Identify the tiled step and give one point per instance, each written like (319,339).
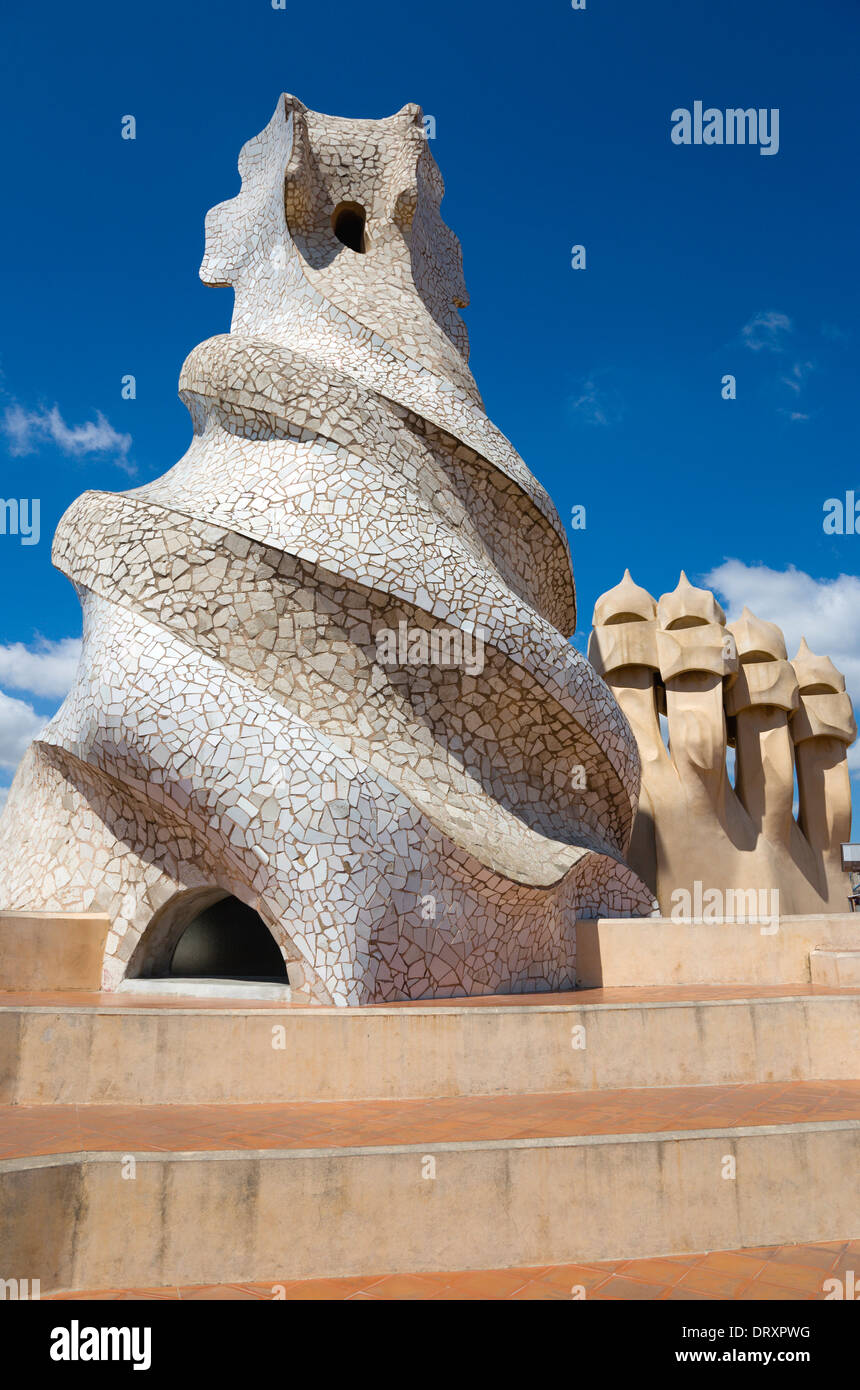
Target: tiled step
(98,1049)
(149,1196)
(835,969)
(830,1270)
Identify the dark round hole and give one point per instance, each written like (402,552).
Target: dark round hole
(228,939)
(348,222)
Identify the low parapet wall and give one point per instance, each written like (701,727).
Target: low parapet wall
(52,950)
(660,951)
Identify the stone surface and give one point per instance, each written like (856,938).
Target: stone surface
(325,664)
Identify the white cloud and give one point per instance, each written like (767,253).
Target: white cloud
(797,377)
(767,330)
(4,792)
(597,405)
(27,429)
(824,611)
(19,725)
(46,668)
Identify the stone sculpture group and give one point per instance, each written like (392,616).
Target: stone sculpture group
(717,686)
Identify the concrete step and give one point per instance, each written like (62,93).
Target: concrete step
(835,969)
(104,1197)
(97,1049)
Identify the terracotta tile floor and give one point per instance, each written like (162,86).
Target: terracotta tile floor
(50,1129)
(794,1272)
(77,999)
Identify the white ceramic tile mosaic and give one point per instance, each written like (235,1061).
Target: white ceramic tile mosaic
(427,825)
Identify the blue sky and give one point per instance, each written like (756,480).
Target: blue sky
(552,129)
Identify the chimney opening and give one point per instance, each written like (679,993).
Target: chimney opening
(348,223)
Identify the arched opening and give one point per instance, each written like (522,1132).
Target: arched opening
(227,940)
(348,222)
(205,935)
